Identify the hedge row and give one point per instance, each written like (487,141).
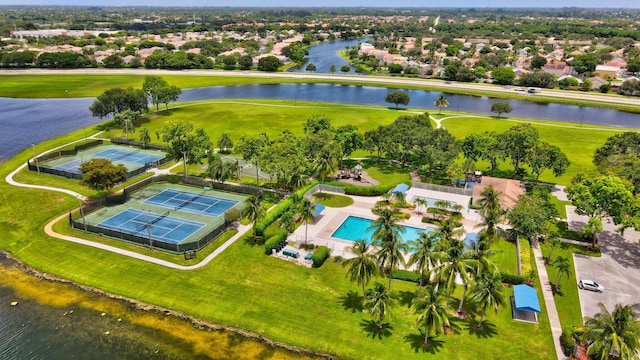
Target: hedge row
(513,279)
(405,275)
(351,189)
(320,255)
(281,208)
(274,241)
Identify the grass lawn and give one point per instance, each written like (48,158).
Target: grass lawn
(246,289)
(333,200)
(578,142)
(567,301)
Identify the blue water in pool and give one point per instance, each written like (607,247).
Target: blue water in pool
(355,228)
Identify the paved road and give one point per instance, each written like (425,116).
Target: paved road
(560,94)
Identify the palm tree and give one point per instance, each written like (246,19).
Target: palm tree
(454,262)
(555,242)
(441,102)
(420,202)
(326,164)
(378,301)
(225,143)
(490,200)
(614,334)
(306,212)
(450,229)
(144,136)
(254,210)
(422,252)
(387,236)
(563,266)
(491,219)
(433,309)
(297,179)
(362,267)
(488,292)
(481,251)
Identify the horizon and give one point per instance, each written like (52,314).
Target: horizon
(377,4)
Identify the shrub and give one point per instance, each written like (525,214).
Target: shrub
(513,279)
(320,255)
(338,259)
(405,275)
(281,208)
(273,242)
(232,215)
(567,342)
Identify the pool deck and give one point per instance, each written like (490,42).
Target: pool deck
(319,233)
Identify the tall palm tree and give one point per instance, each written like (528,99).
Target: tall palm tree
(491,219)
(433,311)
(254,210)
(225,143)
(490,200)
(325,165)
(454,262)
(481,251)
(422,253)
(614,334)
(297,179)
(441,102)
(450,228)
(144,137)
(563,266)
(379,301)
(488,292)
(386,235)
(306,212)
(362,267)
(420,202)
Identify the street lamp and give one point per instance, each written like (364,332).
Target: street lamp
(35,156)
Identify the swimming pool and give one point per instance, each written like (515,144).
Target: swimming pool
(355,228)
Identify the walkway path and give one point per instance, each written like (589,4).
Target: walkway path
(550,305)
(48,229)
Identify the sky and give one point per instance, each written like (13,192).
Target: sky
(340,3)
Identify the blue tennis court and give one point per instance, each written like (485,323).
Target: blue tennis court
(191,202)
(127,156)
(71,166)
(162,227)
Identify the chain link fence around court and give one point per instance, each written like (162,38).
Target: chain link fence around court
(135,194)
(40,163)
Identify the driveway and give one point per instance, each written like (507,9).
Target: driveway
(618,270)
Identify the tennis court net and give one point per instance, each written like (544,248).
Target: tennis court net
(184,203)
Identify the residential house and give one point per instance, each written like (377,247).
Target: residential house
(557,69)
(607,72)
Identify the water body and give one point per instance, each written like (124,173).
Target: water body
(54,321)
(326,54)
(27,121)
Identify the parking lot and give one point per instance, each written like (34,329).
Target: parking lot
(618,270)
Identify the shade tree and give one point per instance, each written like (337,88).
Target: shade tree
(186,144)
(397,98)
(101,174)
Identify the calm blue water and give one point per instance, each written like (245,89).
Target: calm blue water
(326,54)
(355,228)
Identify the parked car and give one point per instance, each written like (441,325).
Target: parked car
(590,285)
(519,89)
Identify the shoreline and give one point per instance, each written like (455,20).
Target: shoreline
(7,261)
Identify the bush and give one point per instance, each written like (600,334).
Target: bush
(405,275)
(232,215)
(567,342)
(281,208)
(320,255)
(273,242)
(513,279)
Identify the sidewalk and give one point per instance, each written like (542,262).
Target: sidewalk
(550,305)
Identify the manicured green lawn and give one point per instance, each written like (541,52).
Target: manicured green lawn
(246,289)
(333,200)
(567,301)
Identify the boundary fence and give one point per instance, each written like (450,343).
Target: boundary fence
(74,152)
(77,222)
(442,188)
(323,187)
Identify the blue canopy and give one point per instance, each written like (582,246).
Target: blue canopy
(317,209)
(400,188)
(471,239)
(526,298)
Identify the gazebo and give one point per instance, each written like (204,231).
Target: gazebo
(525,303)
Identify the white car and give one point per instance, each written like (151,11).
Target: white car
(590,285)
